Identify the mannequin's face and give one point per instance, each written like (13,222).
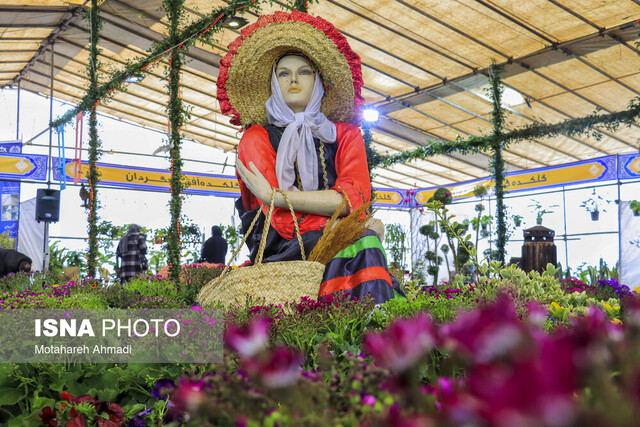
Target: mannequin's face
(296,78)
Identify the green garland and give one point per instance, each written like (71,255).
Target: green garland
(177,116)
(94,141)
(497,162)
(202,30)
(474,144)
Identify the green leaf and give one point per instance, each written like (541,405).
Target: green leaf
(10,396)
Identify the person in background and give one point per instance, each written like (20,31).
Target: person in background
(12,261)
(214,249)
(132,250)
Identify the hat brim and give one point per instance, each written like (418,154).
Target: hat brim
(244,83)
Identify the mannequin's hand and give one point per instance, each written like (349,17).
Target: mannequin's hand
(255,181)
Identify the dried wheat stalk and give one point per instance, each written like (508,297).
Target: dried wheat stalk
(341,235)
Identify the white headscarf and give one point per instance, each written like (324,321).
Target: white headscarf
(297,139)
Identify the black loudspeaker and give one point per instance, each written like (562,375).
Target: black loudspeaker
(47,205)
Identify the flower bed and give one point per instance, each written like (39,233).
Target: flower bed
(509,349)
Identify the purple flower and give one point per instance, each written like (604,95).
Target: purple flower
(164,388)
(403,343)
(137,421)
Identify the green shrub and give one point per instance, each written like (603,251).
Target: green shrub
(194,277)
(153,286)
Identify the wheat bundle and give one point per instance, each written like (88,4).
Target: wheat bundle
(339,234)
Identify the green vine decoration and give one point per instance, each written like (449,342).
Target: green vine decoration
(570,127)
(177,116)
(94,140)
(497,162)
(202,30)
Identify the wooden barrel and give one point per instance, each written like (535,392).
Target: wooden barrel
(538,249)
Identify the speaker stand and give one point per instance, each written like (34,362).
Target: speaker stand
(45,249)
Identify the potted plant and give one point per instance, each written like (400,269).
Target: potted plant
(635,207)
(442,195)
(594,205)
(541,210)
(517,220)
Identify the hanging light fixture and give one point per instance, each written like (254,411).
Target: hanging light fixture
(235,22)
(370,115)
(134,79)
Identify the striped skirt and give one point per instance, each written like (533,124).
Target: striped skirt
(360,270)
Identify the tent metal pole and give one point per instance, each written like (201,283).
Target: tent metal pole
(619,183)
(45,249)
(18,114)
(566,246)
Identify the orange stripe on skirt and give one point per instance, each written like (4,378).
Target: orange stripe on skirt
(345,283)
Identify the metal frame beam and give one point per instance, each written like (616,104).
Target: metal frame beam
(46,43)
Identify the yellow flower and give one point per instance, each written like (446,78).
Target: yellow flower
(616,322)
(606,306)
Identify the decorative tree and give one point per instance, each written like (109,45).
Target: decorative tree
(94,141)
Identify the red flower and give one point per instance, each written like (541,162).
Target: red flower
(65,395)
(78,421)
(48,416)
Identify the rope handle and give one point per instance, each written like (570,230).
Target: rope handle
(265,230)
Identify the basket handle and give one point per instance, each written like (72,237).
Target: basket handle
(267,223)
(263,241)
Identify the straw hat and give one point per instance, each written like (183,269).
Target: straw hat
(245,72)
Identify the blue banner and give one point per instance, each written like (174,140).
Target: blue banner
(10,201)
(629,166)
(23,166)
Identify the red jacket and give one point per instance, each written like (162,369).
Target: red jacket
(351,168)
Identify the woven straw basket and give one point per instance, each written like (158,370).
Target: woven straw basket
(277,282)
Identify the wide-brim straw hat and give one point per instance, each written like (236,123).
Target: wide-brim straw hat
(244,82)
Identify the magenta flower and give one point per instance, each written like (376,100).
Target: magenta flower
(537,313)
(369,400)
(403,343)
(248,340)
(189,394)
(485,333)
(278,368)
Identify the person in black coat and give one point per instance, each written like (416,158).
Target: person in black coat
(12,261)
(214,249)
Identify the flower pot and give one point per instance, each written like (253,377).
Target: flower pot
(595,215)
(636,213)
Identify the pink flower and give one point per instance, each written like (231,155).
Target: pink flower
(189,394)
(369,400)
(537,313)
(403,343)
(280,367)
(485,333)
(248,340)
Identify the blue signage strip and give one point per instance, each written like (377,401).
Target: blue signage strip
(141,178)
(593,170)
(629,166)
(23,166)
(10,197)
